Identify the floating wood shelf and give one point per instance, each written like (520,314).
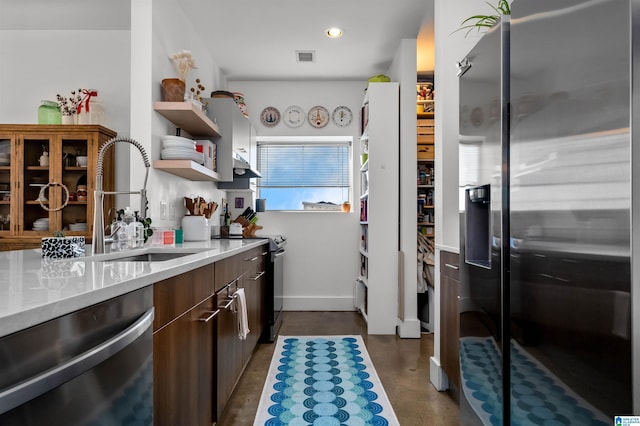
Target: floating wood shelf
(188,117)
(187,169)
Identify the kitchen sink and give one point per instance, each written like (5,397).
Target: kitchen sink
(149,257)
(154,256)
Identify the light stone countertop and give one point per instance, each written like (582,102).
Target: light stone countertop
(34,289)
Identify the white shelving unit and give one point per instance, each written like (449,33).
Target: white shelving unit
(376,288)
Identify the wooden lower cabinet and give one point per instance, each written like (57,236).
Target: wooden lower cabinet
(183,349)
(233,353)
(198,363)
(229,362)
(254,281)
(450,316)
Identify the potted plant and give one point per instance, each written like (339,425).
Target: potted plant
(69,106)
(480,22)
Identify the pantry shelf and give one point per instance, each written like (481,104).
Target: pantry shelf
(187,169)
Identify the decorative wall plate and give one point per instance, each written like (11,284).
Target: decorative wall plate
(293,116)
(270,117)
(342,116)
(318,116)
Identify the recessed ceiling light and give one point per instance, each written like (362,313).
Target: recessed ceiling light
(334,32)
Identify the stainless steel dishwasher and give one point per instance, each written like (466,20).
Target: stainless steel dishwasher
(91,367)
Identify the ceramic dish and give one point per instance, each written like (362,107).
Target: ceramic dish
(174,143)
(270,117)
(293,116)
(318,116)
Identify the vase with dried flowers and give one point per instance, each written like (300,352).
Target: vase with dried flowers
(195,95)
(69,106)
(173,88)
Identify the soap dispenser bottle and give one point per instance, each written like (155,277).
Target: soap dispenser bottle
(129,220)
(119,231)
(138,231)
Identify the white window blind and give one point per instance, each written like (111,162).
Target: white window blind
(299,173)
(309,165)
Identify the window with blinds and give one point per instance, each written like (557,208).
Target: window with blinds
(305,175)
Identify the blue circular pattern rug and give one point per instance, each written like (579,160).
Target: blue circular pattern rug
(323,381)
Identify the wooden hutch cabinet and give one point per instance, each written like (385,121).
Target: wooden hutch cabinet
(22,179)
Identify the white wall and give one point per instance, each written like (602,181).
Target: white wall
(322,249)
(163,25)
(37,65)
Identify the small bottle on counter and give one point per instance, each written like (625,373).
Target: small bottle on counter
(227,216)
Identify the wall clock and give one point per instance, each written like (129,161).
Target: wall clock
(270,116)
(342,116)
(293,116)
(318,116)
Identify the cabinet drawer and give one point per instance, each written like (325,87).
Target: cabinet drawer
(449,264)
(426,122)
(254,261)
(174,296)
(426,152)
(425,127)
(228,270)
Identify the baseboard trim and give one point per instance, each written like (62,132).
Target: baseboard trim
(437,375)
(318,303)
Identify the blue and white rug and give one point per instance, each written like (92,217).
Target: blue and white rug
(538,397)
(323,381)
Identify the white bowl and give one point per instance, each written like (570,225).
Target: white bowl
(81,160)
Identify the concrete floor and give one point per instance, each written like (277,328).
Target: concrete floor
(402,365)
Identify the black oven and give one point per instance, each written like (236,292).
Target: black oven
(274,290)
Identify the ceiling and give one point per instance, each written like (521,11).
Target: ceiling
(258,40)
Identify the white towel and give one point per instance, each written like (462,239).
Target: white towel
(243,320)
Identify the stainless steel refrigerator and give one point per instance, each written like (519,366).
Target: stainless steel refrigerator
(547,215)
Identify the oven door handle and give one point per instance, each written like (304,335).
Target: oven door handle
(35,386)
(279,253)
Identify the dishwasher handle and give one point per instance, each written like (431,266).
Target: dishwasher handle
(35,386)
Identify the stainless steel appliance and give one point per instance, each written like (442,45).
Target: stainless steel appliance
(546,180)
(274,291)
(91,367)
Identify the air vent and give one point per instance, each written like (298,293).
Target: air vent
(306,55)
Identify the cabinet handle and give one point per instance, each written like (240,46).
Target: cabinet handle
(264,253)
(228,305)
(210,317)
(253,259)
(257,277)
(448,265)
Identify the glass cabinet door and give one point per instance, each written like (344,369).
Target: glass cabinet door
(6,184)
(74,160)
(36,168)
